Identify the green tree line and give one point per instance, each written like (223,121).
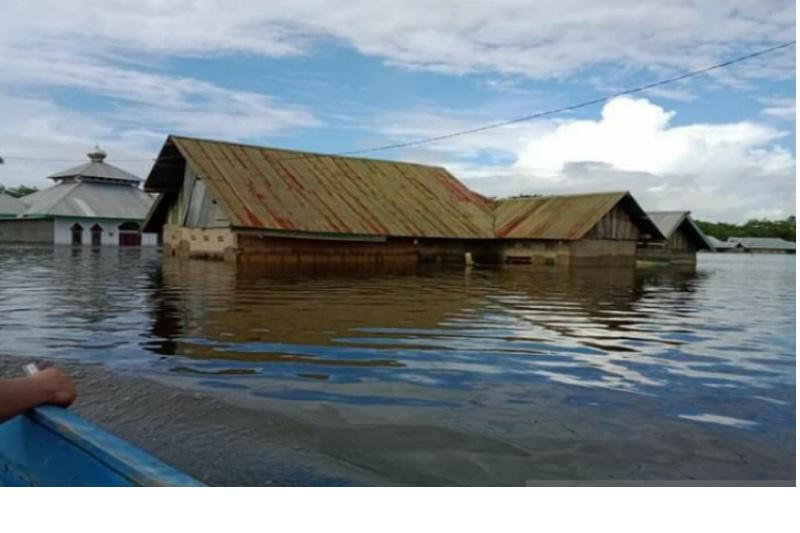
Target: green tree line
(783,229)
(22,190)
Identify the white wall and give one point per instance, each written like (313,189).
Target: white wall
(62,234)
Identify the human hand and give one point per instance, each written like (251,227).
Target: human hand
(58,387)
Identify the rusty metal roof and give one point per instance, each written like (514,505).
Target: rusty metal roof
(276,189)
(566,217)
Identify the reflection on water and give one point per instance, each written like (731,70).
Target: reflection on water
(478,351)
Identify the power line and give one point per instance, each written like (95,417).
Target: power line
(495,125)
(573,107)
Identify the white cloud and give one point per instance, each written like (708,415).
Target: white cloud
(721,171)
(781,108)
(117,50)
(39,128)
(537,39)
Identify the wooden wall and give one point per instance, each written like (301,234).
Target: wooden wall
(615,225)
(680,240)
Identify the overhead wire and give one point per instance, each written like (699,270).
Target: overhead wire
(494,125)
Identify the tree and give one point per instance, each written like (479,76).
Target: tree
(782,229)
(21,191)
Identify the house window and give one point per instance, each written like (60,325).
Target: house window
(97,235)
(130,234)
(77,234)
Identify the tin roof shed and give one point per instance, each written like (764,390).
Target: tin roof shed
(267,188)
(670,221)
(567,217)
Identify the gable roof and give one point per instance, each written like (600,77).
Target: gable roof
(669,222)
(10,205)
(88,199)
(567,217)
(267,188)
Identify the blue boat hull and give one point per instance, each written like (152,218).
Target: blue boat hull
(50,446)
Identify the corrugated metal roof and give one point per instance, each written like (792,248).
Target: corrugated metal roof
(566,217)
(275,189)
(756,243)
(720,245)
(89,199)
(669,221)
(10,205)
(96,168)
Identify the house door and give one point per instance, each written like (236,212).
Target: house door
(129,234)
(77,234)
(97,235)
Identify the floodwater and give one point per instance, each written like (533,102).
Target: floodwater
(505,376)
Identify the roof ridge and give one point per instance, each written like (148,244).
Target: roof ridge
(303,152)
(564,195)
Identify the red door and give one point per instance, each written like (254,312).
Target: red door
(130,234)
(129,238)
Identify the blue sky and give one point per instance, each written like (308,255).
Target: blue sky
(308,76)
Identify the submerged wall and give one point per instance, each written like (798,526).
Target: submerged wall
(255,248)
(589,252)
(62,231)
(26,230)
(535,252)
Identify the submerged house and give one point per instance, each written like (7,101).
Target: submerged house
(95,204)
(722,246)
(10,206)
(251,204)
(684,239)
(761,245)
(578,229)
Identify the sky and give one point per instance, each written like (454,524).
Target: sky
(354,74)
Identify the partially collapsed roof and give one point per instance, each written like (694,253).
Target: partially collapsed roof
(88,199)
(96,169)
(567,217)
(265,188)
(669,222)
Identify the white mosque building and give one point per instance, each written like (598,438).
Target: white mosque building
(93,204)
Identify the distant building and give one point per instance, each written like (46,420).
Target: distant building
(579,229)
(251,204)
(10,206)
(762,245)
(723,246)
(93,204)
(684,239)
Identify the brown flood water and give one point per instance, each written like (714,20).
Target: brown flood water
(435,376)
